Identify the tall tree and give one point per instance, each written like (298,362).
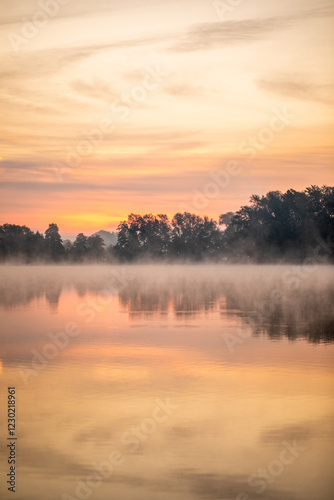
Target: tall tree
(80,247)
(282,224)
(143,235)
(96,247)
(13,241)
(54,243)
(194,237)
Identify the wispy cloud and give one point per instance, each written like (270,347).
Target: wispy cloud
(14,12)
(206,36)
(185,90)
(25,8)
(295,88)
(97,89)
(58,87)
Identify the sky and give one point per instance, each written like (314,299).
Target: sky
(112,107)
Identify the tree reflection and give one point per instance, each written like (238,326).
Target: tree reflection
(256,294)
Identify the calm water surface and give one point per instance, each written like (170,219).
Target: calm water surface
(176,382)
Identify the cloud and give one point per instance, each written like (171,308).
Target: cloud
(206,36)
(184,90)
(41,63)
(20,165)
(140,183)
(295,88)
(28,8)
(28,68)
(16,11)
(97,89)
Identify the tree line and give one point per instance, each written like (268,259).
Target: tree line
(277,226)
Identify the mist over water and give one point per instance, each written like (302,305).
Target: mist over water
(279,300)
(243,354)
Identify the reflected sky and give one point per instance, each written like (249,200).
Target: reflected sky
(146,337)
(292,301)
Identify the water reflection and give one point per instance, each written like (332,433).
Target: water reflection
(275,300)
(158,336)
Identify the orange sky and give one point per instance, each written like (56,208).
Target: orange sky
(113,107)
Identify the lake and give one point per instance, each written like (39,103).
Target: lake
(175,382)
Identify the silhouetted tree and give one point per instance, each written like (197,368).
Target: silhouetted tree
(68,247)
(194,237)
(278,225)
(14,241)
(34,247)
(53,243)
(226,219)
(281,224)
(79,250)
(96,247)
(143,235)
